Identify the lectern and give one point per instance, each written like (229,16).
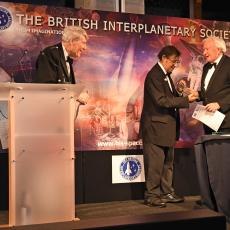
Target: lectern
(41,151)
(212,161)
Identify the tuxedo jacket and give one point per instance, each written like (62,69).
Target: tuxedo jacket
(218,89)
(51,66)
(160,122)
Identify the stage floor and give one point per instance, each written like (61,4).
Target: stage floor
(92,211)
(130,208)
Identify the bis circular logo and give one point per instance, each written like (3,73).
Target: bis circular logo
(130,168)
(5,18)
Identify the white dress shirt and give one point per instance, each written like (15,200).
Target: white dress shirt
(166,76)
(66,56)
(210,72)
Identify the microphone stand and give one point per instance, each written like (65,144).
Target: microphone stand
(18,63)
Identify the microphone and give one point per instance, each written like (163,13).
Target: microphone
(18,63)
(24,52)
(25,65)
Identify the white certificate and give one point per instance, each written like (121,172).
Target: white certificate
(211,119)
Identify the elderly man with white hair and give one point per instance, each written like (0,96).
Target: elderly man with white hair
(54,63)
(215,81)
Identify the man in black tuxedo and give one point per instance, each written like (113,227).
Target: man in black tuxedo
(215,81)
(215,85)
(54,63)
(159,128)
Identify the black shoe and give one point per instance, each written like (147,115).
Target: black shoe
(155,202)
(199,202)
(172,198)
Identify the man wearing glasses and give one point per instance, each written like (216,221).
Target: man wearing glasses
(160,128)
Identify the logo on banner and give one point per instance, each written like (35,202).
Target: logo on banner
(5,18)
(130,168)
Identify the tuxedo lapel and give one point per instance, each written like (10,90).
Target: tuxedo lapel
(167,78)
(172,85)
(216,73)
(62,60)
(172,88)
(204,76)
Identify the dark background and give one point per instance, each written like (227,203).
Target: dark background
(210,10)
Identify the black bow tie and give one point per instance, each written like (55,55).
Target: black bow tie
(168,74)
(70,60)
(210,65)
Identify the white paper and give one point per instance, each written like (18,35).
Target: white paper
(212,119)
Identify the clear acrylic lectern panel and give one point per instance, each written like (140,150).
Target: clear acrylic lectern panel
(41,149)
(44,183)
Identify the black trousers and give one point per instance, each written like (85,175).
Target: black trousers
(158,162)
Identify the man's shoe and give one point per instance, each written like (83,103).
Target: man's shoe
(172,198)
(199,202)
(155,202)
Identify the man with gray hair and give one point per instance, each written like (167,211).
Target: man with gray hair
(215,81)
(54,63)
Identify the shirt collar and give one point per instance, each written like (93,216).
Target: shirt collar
(163,69)
(218,59)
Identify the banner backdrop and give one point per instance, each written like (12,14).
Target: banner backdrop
(121,50)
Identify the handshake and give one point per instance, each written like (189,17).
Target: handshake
(182,88)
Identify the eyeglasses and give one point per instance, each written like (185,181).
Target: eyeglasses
(174,61)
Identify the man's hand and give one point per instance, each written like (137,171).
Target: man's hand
(192,97)
(83,98)
(188,91)
(212,107)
